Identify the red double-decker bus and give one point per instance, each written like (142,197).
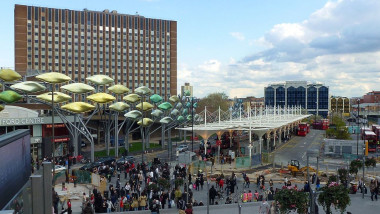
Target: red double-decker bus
(303,129)
(371,138)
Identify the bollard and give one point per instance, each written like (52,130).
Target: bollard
(239,209)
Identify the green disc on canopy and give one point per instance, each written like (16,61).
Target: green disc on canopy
(185,111)
(28,87)
(9,75)
(166,120)
(134,114)
(100,79)
(78,107)
(10,96)
(180,119)
(195,105)
(165,106)
(174,112)
(178,106)
(188,105)
(78,88)
(157,113)
(101,98)
(53,77)
(155,98)
(145,122)
(186,93)
(188,117)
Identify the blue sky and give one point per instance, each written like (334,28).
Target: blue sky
(240,46)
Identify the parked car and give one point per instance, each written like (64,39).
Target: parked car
(123,159)
(89,166)
(182,148)
(83,144)
(59,168)
(106,160)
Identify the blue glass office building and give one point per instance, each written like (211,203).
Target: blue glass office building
(310,96)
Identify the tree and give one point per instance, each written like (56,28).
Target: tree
(213,101)
(355,165)
(334,195)
(164,183)
(339,130)
(343,174)
(290,199)
(370,162)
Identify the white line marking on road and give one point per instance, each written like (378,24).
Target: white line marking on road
(303,155)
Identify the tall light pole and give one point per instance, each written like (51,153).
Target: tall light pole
(192,124)
(357,134)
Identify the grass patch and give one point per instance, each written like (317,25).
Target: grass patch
(134,147)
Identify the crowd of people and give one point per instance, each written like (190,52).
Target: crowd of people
(142,189)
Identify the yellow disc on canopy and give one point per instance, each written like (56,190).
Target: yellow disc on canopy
(58,97)
(144,106)
(118,89)
(9,75)
(78,107)
(101,98)
(53,77)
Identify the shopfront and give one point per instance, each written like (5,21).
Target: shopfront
(14,117)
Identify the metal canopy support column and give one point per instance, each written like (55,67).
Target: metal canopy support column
(163,136)
(116,138)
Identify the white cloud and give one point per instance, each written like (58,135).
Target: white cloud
(238,35)
(338,45)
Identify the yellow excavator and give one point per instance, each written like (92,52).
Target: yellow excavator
(294,168)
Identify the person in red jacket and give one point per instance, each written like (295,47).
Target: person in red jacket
(69,211)
(189,209)
(250,195)
(221,183)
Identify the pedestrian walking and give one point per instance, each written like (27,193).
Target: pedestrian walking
(212,194)
(264,207)
(372,188)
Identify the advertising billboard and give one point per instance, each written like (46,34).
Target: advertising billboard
(15,163)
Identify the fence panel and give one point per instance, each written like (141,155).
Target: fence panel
(243,162)
(196,166)
(256,160)
(267,158)
(83,177)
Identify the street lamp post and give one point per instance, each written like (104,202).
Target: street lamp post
(358,129)
(52,125)
(192,124)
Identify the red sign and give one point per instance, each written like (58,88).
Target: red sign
(55,125)
(56,140)
(218,142)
